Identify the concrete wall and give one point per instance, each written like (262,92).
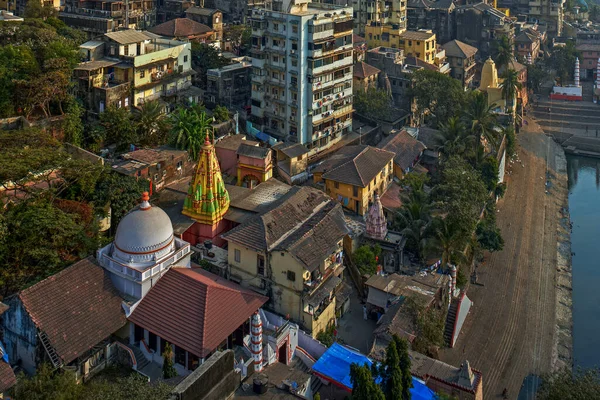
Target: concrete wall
(20,336)
(214,380)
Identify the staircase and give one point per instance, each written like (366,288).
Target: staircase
(450,323)
(315,382)
(140,358)
(54,358)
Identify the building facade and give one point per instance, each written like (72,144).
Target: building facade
(229,85)
(550,13)
(302,73)
(128,68)
(207,16)
(438,16)
(461,57)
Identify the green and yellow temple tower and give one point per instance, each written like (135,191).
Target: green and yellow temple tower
(207,200)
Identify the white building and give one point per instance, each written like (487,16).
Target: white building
(302,72)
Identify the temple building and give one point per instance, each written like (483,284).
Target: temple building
(207,200)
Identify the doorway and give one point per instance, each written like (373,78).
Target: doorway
(282,353)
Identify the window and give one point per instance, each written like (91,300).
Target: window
(260,265)
(185,58)
(355,191)
(294,28)
(179,355)
(237,255)
(126,101)
(294,63)
(291,275)
(126,50)
(142,73)
(112,50)
(336,184)
(276,27)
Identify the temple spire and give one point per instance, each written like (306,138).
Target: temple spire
(376,222)
(207,200)
(576,74)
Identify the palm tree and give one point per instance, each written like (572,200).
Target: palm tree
(151,122)
(414,219)
(453,138)
(503,50)
(189,127)
(450,241)
(510,87)
(481,119)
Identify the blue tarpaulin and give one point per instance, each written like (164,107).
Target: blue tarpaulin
(334,365)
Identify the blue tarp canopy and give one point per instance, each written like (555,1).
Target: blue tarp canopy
(334,365)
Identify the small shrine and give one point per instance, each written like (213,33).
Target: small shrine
(569,92)
(207,200)
(376,222)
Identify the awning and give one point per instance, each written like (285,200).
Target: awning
(324,291)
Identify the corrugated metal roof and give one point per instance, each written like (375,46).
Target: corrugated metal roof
(127,36)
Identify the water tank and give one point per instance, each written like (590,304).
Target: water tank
(260,385)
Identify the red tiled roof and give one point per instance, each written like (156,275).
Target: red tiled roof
(181,27)
(77,308)
(405,147)
(195,310)
(391,198)
(7,377)
(363,70)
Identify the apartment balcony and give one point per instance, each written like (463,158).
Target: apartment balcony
(160,75)
(258,62)
(444,68)
(259,79)
(330,51)
(324,85)
(275,98)
(342,110)
(275,115)
(346,62)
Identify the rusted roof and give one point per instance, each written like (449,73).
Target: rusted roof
(153,156)
(195,310)
(300,219)
(363,70)
(181,27)
(251,151)
(355,165)
(391,198)
(456,48)
(406,148)
(77,308)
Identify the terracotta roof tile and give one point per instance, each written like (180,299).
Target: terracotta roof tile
(406,148)
(195,310)
(363,70)
(181,27)
(7,377)
(77,308)
(355,165)
(456,48)
(251,151)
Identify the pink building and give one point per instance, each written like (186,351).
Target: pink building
(226,149)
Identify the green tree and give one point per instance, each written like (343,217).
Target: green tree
(205,57)
(118,127)
(326,336)
(72,124)
(151,123)
(536,76)
(48,385)
(453,138)
(566,385)
(221,114)
(363,384)
(365,258)
(503,52)
(239,36)
(373,103)
(480,118)
(562,61)
(489,172)
(168,364)
(189,127)
(511,140)
(392,374)
(487,233)
(405,363)
(415,181)
(437,96)
(510,87)
(413,220)
(594,12)
(450,241)
(34,9)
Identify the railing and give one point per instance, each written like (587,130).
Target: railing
(157,76)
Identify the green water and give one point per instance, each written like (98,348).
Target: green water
(584,207)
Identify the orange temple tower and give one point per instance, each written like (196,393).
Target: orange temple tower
(207,200)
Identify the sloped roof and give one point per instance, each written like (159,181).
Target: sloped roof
(201,11)
(7,377)
(232,142)
(195,310)
(291,150)
(181,27)
(405,147)
(415,61)
(355,165)
(416,35)
(419,4)
(127,36)
(356,39)
(249,150)
(525,37)
(443,4)
(85,308)
(456,48)
(464,377)
(363,70)
(305,220)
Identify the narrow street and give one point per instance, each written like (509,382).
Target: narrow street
(510,330)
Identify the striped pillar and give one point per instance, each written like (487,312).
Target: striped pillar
(256,347)
(529,60)
(453,276)
(598,72)
(577,72)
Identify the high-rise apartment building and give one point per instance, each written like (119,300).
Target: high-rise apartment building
(550,12)
(302,72)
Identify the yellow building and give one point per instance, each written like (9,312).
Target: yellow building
(294,254)
(421,44)
(364,77)
(492,85)
(354,174)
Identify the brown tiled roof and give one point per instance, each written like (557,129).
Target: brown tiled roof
(405,147)
(356,39)
(232,142)
(181,27)
(456,48)
(76,308)
(463,378)
(588,47)
(248,150)
(416,35)
(7,377)
(412,60)
(391,198)
(427,137)
(292,151)
(363,70)
(195,310)
(525,37)
(201,11)
(153,156)
(355,165)
(296,216)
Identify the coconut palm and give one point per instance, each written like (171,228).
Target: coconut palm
(414,220)
(449,241)
(510,87)
(503,50)
(151,123)
(453,138)
(189,127)
(481,119)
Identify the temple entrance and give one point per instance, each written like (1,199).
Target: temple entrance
(282,353)
(250,181)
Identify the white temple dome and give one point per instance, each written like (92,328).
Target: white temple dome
(144,235)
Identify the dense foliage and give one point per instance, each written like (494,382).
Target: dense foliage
(373,103)
(566,385)
(365,258)
(562,61)
(438,96)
